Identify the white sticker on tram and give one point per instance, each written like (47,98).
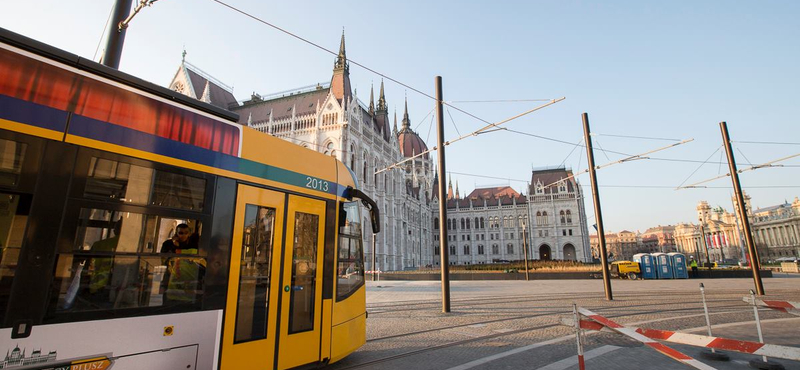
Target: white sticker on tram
(174,341)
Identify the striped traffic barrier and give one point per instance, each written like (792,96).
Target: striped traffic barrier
(792,308)
(636,335)
(741,346)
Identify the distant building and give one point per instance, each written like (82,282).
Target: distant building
(716,231)
(776,230)
(487,225)
(619,246)
(659,239)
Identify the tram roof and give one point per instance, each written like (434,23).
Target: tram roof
(75,61)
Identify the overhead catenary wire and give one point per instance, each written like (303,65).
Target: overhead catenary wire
(423,118)
(453,121)
(764,142)
(698,167)
(474,133)
(496,101)
(751,168)
(623,160)
(626,186)
(677,160)
(103,34)
(635,137)
(576,146)
(309,42)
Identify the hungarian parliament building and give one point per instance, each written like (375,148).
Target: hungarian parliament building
(487,225)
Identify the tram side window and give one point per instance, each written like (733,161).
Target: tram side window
(14,210)
(129,183)
(11,155)
(129,260)
(256,273)
(351,257)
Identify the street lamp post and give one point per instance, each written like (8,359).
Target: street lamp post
(703,237)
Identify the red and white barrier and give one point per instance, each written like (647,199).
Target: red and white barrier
(792,308)
(634,334)
(741,346)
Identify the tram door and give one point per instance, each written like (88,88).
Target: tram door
(301,301)
(254,286)
(274,292)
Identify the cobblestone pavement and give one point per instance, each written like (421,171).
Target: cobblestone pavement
(515,324)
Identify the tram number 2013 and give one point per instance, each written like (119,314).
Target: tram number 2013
(316,184)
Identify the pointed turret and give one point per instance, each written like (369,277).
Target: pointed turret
(371,101)
(341,59)
(382,101)
(340,83)
(406,121)
(457,196)
(449,188)
(394,131)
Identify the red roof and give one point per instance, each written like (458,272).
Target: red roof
(410,143)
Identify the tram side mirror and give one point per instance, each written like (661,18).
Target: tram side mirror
(374,212)
(342,215)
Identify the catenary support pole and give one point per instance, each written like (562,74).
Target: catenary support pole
(444,260)
(755,264)
(705,242)
(115,36)
(601,237)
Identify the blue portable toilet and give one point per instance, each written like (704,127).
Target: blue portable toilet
(678,265)
(646,265)
(663,266)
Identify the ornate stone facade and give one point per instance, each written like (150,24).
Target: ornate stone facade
(487,225)
(330,118)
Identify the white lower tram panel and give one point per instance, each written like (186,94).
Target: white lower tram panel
(168,342)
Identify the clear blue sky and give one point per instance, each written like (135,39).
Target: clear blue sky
(644,68)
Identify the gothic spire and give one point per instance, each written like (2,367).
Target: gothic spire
(449,187)
(341,59)
(406,121)
(340,82)
(382,100)
(395,121)
(371,101)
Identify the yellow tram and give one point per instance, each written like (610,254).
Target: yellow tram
(142,229)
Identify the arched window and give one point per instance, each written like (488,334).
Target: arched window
(510,248)
(466,250)
(436,223)
(545,221)
(462,224)
(482,225)
(364,177)
(452,250)
(352,157)
(455,224)
(569,217)
(449,226)
(495,249)
(480,249)
(563,218)
(329,148)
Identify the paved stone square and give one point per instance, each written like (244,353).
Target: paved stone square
(516,324)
